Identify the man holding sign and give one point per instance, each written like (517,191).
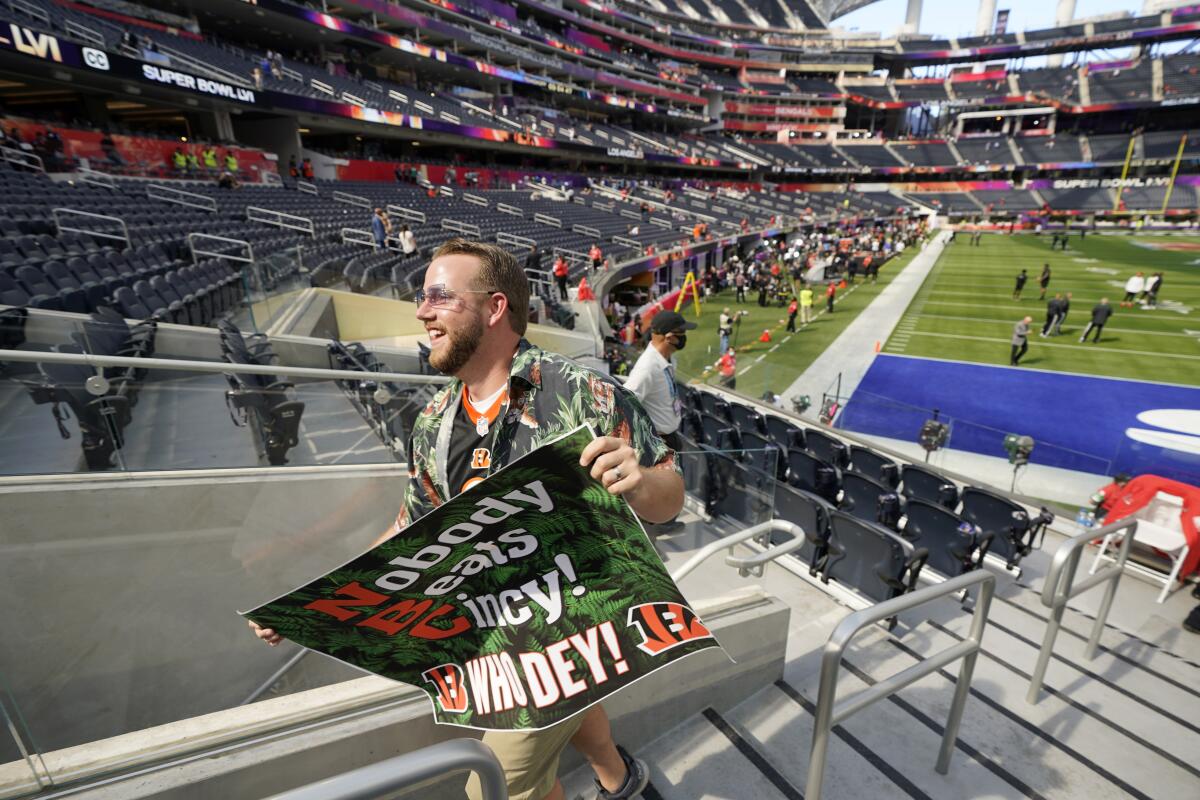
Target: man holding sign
(507,400)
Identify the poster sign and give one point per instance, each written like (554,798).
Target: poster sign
(521,602)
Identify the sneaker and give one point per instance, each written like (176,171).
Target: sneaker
(1196,591)
(637,775)
(1191,624)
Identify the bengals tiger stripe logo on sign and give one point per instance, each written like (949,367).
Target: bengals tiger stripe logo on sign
(666,625)
(448,680)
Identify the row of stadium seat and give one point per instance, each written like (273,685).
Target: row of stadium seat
(871,522)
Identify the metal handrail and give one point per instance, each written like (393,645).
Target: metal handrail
(406,213)
(182,365)
(1060,587)
(830,712)
(97,178)
(169,194)
(513,240)
(281,219)
(475,199)
(762,529)
(457,226)
(55,212)
(546,219)
(14,155)
(624,240)
(352,199)
(192,237)
(505,208)
(358,236)
(586,230)
(306,187)
(386,778)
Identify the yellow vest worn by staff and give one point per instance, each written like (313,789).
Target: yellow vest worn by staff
(806,296)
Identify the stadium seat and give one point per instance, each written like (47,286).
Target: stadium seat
(811,474)
(928,485)
(747,419)
(260,402)
(718,432)
(101,418)
(812,514)
(1009,525)
(867,462)
(38,285)
(784,433)
(827,448)
(861,496)
(870,560)
(954,547)
(762,454)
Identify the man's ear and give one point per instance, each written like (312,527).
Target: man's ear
(497,305)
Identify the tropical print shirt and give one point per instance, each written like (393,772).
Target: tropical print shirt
(549,395)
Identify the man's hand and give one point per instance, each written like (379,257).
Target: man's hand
(614,464)
(266,634)
(655,495)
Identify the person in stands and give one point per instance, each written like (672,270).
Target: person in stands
(408,241)
(596,256)
(475,306)
(379,227)
(560,277)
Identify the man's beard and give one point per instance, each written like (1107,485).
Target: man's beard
(461,343)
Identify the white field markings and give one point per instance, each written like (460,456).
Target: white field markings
(1083,304)
(1073,346)
(1083,319)
(803,325)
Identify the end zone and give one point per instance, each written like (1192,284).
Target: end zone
(1084,423)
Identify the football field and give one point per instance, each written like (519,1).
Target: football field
(965,310)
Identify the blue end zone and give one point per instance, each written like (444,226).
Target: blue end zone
(1078,422)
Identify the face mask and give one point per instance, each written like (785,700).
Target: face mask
(680,341)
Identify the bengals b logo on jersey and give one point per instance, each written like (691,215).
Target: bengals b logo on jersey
(666,625)
(448,681)
(481,458)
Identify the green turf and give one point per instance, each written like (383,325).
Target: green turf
(965,310)
(780,368)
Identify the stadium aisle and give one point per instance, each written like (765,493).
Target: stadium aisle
(851,353)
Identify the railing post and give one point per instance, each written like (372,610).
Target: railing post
(1059,587)
(965,673)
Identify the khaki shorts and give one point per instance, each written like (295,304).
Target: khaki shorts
(529,759)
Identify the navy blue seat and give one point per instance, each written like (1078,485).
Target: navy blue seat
(827,448)
(952,542)
(928,485)
(807,472)
(871,560)
(867,462)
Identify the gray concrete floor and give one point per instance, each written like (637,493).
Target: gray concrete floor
(1126,724)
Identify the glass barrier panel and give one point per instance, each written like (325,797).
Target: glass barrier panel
(128,592)
(64,418)
(21,764)
(271,283)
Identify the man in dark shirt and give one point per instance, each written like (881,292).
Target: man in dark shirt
(1024,276)
(1044,280)
(1100,314)
(1053,309)
(1063,308)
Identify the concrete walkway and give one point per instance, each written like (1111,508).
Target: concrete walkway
(852,353)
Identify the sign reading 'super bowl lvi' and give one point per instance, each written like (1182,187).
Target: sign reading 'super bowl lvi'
(522,601)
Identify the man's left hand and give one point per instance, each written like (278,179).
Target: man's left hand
(614,464)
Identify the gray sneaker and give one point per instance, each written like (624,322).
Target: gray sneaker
(637,775)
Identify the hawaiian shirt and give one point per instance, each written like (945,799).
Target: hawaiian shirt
(549,395)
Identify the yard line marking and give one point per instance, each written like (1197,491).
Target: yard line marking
(1051,344)
(1186,333)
